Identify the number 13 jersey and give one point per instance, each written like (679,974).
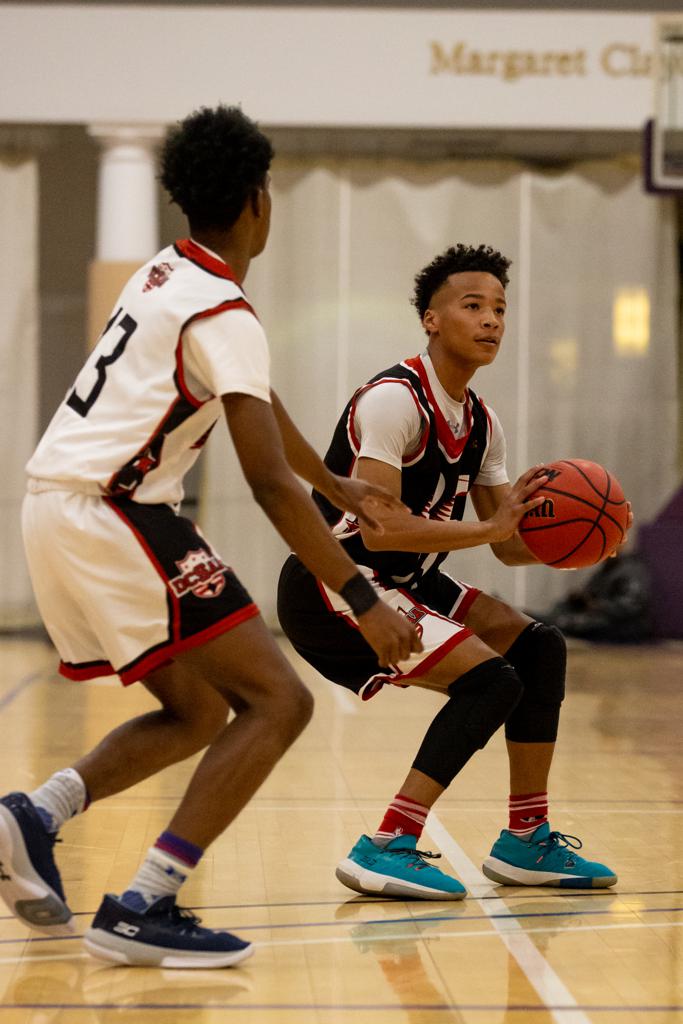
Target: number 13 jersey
(182,334)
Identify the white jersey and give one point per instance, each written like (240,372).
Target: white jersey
(182,333)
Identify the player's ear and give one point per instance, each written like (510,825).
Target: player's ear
(429,321)
(256,202)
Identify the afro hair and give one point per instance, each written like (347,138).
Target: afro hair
(211,163)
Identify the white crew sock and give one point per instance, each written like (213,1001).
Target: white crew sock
(61,797)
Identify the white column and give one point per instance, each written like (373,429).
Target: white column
(127,219)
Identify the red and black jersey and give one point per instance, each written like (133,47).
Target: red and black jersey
(435,479)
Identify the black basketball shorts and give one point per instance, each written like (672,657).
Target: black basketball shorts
(322,629)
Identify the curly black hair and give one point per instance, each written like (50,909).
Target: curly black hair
(457,260)
(212,162)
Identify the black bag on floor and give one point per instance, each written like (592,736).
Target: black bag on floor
(614,606)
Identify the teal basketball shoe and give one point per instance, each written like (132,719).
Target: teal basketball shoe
(398,869)
(547,858)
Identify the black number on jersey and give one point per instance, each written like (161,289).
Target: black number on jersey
(127,325)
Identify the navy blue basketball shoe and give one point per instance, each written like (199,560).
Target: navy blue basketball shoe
(29,879)
(162,935)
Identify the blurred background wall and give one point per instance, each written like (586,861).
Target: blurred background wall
(590,365)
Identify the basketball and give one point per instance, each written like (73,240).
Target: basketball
(582,519)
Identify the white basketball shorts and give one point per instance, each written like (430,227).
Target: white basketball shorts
(123,587)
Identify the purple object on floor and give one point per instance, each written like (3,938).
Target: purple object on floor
(661,545)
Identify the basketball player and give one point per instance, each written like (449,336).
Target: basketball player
(127,586)
(419,430)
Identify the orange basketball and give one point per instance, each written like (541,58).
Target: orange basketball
(582,519)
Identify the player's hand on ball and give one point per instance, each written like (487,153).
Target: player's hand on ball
(390,635)
(629,524)
(518,501)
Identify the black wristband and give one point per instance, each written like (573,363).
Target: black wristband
(358,594)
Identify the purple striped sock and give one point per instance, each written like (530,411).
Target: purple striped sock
(182,849)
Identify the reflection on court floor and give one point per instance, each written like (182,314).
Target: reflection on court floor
(326,956)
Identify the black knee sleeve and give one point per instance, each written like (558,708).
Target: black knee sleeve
(480,701)
(539,655)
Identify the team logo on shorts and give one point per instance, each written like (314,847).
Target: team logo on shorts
(201,574)
(414,615)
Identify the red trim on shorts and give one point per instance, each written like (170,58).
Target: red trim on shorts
(465,603)
(175,603)
(87,671)
(335,611)
(436,655)
(163,655)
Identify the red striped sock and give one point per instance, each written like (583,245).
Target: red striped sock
(527,812)
(403,816)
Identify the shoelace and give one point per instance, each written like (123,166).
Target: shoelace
(419,854)
(556,840)
(185,918)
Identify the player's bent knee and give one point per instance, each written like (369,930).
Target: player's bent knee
(485,697)
(291,710)
(540,657)
(480,701)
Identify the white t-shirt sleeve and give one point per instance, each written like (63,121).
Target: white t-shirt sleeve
(388,423)
(493,469)
(228,353)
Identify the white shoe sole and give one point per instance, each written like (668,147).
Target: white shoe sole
(507,874)
(27,896)
(372,883)
(114,949)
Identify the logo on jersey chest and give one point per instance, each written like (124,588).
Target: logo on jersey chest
(201,574)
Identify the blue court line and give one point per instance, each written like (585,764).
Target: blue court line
(351,1007)
(22,685)
(437,918)
(377,901)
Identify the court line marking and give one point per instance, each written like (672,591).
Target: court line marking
(398,936)
(562,1011)
(344,701)
(22,685)
(400,919)
(550,988)
(417,936)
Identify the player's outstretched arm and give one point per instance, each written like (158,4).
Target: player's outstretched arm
(362,498)
(405,532)
(258,443)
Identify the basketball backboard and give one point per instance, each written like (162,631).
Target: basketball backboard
(664,133)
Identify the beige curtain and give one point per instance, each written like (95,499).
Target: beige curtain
(590,252)
(18,374)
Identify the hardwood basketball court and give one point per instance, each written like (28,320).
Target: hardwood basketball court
(326,956)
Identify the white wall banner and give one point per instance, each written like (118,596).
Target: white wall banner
(333,66)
